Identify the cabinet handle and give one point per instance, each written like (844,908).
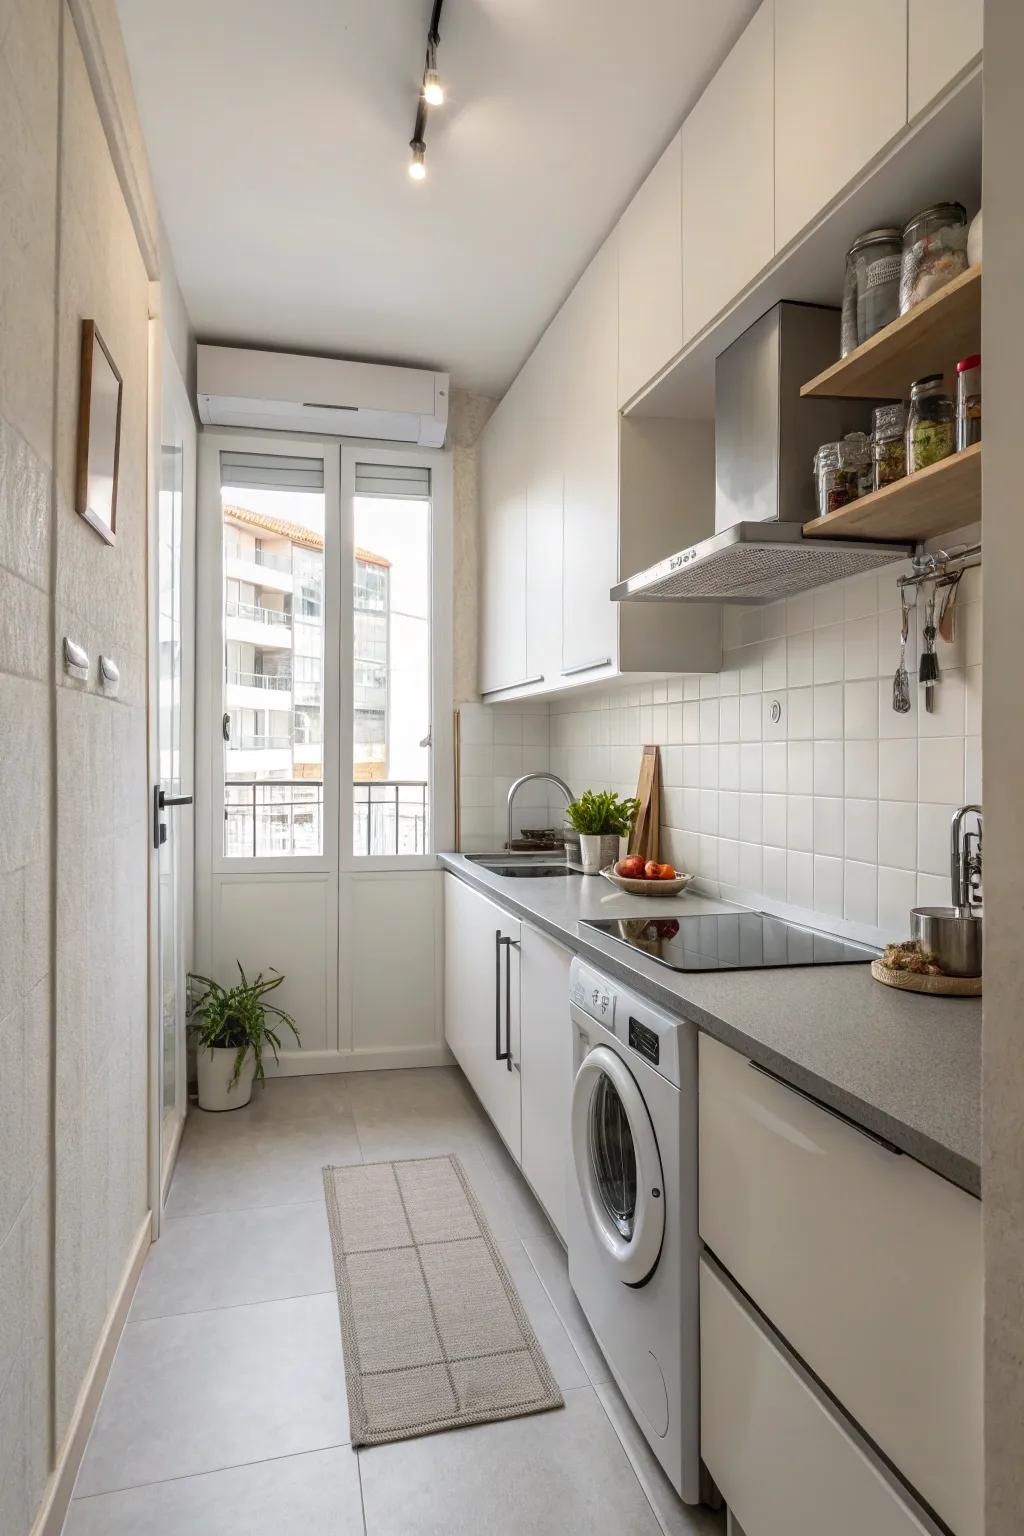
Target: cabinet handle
(506,1054)
(587,666)
(523,682)
(827,1109)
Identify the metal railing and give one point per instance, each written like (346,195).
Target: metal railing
(236,610)
(274,818)
(259,743)
(272,681)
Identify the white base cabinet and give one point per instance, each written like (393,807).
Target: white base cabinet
(546,1044)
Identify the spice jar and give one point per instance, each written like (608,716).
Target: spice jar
(968,401)
(931,434)
(934,252)
(834,477)
(888,445)
(871,286)
(855,461)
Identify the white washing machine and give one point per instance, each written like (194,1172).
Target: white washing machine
(633,1245)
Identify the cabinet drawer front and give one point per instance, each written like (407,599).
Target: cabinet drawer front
(786,1461)
(869,1265)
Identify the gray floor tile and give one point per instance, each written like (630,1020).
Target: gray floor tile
(281,1099)
(561,1472)
(529,1218)
(565,1363)
(313,1495)
(549,1259)
(233,1257)
(234,1164)
(417,1114)
(674,1517)
(210,1390)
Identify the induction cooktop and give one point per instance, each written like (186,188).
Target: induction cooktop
(731,941)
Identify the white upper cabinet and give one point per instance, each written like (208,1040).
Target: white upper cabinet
(727,191)
(945,37)
(650,275)
(840,96)
(502,552)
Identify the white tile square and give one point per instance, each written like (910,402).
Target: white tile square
(800,823)
(940,768)
(729,679)
(828,886)
(828,825)
(728,861)
(728,815)
(972,770)
(751,866)
(691,809)
(732,625)
(674,723)
(773,809)
(775,776)
(508,728)
(729,719)
(709,685)
(674,692)
(672,766)
(932,891)
(799,613)
(860,646)
(750,817)
(861,769)
(708,811)
(800,880)
(801,713)
(691,686)
(691,723)
(828,712)
(775,873)
(708,720)
(828,654)
(799,660)
(708,767)
(672,814)
(508,760)
(773,664)
(750,670)
(933,824)
(860,892)
(897,893)
(707,857)
(860,710)
(828,605)
(970,620)
(691,767)
(477,760)
(800,768)
(897,834)
(972,701)
(828,768)
(659,723)
(897,769)
(750,717)
(729,765)
(476,724)
(773,620)
(862,830)
(475,792)
(772,704)
(751,770)
(751,626)
(949,712)
(860,596)
(889,643)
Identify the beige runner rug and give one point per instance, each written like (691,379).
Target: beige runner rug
(433,1331)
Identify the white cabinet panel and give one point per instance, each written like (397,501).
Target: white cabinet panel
(868,1264)
(288,923)
(785,1460)
(944,37)
(396,1007)
(546,1071)
(840,96)
(650,275)
(544,573)
(482,1002)
(727,178)
(503,550)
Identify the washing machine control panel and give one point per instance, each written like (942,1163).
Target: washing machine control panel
(644,1040)
(593,994)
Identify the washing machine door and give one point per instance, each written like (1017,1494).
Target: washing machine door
(618,1166)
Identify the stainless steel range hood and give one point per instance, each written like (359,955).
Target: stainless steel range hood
(765,438)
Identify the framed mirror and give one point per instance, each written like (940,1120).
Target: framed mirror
(99,434)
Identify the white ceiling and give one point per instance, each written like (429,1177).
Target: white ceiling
(278,134)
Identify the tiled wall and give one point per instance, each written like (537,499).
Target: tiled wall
(840,809)
(499,743)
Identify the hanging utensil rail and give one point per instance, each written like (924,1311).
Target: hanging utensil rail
(941,567)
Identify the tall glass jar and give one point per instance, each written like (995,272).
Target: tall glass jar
(835,478)
(871,286)
(931,427)
(934,252)
(968,401)
(888,445)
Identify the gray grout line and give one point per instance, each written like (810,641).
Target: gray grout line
(231,1466)
(282,1205)
(228,1306)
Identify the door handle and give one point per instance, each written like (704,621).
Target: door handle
(225,727)
(587,666)
(160,800)
(506,1054)
(174,799)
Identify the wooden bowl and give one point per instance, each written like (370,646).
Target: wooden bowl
(648,887)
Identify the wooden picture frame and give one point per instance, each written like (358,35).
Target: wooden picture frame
(99,434)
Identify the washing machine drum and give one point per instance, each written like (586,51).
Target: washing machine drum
(618,1167)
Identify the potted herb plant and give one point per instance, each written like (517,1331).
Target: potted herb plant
(233,1027)
(603,822)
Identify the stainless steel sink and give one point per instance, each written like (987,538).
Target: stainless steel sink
(522,866)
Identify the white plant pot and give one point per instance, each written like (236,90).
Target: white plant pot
(598,851)
(215,1066)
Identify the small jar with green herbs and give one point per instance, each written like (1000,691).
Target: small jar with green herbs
(931,424)
(888,445)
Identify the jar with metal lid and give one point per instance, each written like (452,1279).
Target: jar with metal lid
(836,482)
(934,252)
(871,286)
(855,461)
(968,401)
(931,431)
(888,445)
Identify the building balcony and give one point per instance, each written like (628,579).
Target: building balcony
(258,690)
(261,570)
(252,624)
(282,817)
(254,756)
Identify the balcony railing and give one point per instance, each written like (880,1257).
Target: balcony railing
(258,557)
(259,743)
(274,683)
(272,818)
(236,610)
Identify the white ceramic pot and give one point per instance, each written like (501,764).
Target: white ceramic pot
(215,1066)
(598,851)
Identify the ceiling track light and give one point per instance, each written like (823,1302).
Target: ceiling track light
(431,95)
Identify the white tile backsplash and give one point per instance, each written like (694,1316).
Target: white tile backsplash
(839,810)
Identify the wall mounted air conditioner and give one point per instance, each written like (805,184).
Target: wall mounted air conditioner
(284,392)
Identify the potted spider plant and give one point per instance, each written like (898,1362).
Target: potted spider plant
(234,1025)
(603,822)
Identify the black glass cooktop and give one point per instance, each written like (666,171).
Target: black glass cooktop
(731,941)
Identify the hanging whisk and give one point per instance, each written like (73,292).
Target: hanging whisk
(901,682)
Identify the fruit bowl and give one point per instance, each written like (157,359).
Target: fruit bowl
(647,887)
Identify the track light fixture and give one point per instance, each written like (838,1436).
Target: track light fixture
(431,95)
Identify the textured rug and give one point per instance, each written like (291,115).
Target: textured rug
(433,1331)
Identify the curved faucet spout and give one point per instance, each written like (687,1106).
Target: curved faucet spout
(527,778)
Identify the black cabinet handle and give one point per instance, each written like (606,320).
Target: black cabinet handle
(827,1109)
(506,1054)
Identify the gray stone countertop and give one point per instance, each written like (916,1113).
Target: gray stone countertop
(905,1066)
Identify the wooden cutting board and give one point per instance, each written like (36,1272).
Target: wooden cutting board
(645,838)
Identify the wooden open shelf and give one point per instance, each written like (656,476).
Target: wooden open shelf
(930,338)
(944,496)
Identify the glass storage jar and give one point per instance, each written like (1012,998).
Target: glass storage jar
(835,480)
(934,252)
(871,286)
(855,461)
(931,433)
(888,445)
(968,401)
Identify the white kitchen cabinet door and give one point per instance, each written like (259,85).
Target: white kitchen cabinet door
(840,96)
(727,176)
(481,992)
(546,1071)
(944,37)
(503,551)
(651,275)
(544,573)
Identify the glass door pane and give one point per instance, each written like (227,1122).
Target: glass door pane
(169,642)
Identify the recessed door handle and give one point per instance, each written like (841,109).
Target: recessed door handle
(587,666)
(827,1109)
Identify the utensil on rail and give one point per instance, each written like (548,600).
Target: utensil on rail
(901,682)
(928,671)
(947,609)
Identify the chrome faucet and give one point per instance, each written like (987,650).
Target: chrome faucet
(552,778)
(965,862)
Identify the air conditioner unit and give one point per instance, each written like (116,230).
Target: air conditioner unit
(284,392)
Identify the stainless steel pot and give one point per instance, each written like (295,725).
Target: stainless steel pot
(954,940)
